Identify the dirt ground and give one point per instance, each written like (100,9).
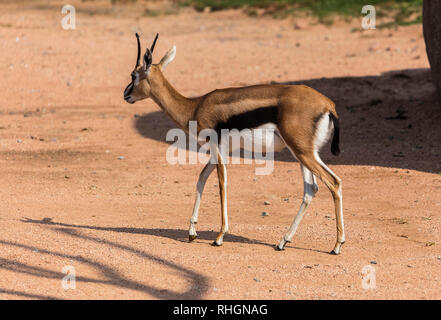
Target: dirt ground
(85,182)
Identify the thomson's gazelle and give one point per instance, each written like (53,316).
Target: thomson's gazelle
(303,118)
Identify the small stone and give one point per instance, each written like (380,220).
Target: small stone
(267,203)
(373,262)
(285,199)
(19,141)
(373,47)
(121,158)
(255,279)
(265,214)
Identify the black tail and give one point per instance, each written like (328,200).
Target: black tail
(336,138)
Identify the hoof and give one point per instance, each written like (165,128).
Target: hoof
(281,245)
(337,248)
(192,237)
(215,244)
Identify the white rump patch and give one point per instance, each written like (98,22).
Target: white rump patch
(323,131)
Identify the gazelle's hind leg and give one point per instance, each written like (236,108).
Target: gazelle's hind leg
(309,190)
(335,188)
(306,151)
(333,182)
(208,169)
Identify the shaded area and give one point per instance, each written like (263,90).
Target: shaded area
(25,294)
(198,284)
(174,234)
(389,120)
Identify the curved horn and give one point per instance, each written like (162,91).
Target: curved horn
(139,51)
(154,42)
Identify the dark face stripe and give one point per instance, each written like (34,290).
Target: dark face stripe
(250,119)
(128,90)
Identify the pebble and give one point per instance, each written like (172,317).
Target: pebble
(265,214)
(120,158)
(267,203)
(255,279)
(19,141)
(373,262)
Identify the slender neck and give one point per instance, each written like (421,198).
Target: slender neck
(178,107)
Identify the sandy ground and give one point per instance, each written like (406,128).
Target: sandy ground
(68,199)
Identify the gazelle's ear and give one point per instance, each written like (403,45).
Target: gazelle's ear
(147,60)
(168,57)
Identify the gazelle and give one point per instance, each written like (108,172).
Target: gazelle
(303,120)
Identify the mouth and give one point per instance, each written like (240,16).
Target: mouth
(129,100)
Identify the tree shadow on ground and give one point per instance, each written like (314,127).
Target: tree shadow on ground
(389,120)
(174,234)
(197,287)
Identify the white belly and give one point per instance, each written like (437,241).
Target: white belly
(261,139)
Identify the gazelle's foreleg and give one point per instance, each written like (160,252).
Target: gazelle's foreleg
(205,173)
(222,176)
(309,190)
